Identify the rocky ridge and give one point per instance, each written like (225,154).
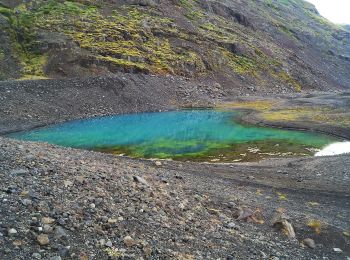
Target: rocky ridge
(266,45)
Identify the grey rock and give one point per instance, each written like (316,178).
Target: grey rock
(36,256)
(60,233)
(19,171)
(102,242)
(43,239)
(231,225)
(26,202)
(47,229)
(63,251)
(337,250)
(310,243)
(12,232)
(56,257)
(140,180)
(109,243)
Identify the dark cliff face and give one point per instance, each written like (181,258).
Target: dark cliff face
(266,45)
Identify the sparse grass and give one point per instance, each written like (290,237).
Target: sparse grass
(322,115)
(315,225)
(241,64)
(33,66)
(121,38)
(258,105)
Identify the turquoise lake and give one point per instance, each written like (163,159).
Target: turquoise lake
(198,135)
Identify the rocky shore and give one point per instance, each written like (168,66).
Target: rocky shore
(62,203)
(68,204)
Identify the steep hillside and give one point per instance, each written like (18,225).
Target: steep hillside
(265,45)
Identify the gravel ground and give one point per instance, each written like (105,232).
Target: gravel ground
(77,204)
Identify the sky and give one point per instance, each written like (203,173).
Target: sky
(337,11)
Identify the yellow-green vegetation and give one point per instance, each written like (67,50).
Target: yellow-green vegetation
(191,12)
(289,114)
(281,196)
(313,204)
(241,64)
(289,79)
(130,37)
(115,252)
(316,225)
(258,105)
(275,111)
(32,63)
(33,66)
(323,115)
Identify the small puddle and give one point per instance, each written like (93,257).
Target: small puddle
(197,135)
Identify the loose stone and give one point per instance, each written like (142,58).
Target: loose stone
(43,239)
(310,243)
(129,241)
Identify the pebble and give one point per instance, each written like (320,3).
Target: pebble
(67,183)
(112,221)
(47,229)
(337,250)
(147,250)
(19,171)
(129,241)
(92,206)
(36,256)
(60,233)
(140,180)
(56,257)
(12,231)
(63,251)
(26,202)
(43,239)
(231,225)
(102,242)
(309,242)
(109,243)
(47,220)
(158,163)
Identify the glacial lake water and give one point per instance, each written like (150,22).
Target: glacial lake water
(196,135)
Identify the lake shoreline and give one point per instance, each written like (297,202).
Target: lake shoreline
(81,200)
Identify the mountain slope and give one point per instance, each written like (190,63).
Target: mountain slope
(265,45)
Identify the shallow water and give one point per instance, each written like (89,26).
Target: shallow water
(204,135)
